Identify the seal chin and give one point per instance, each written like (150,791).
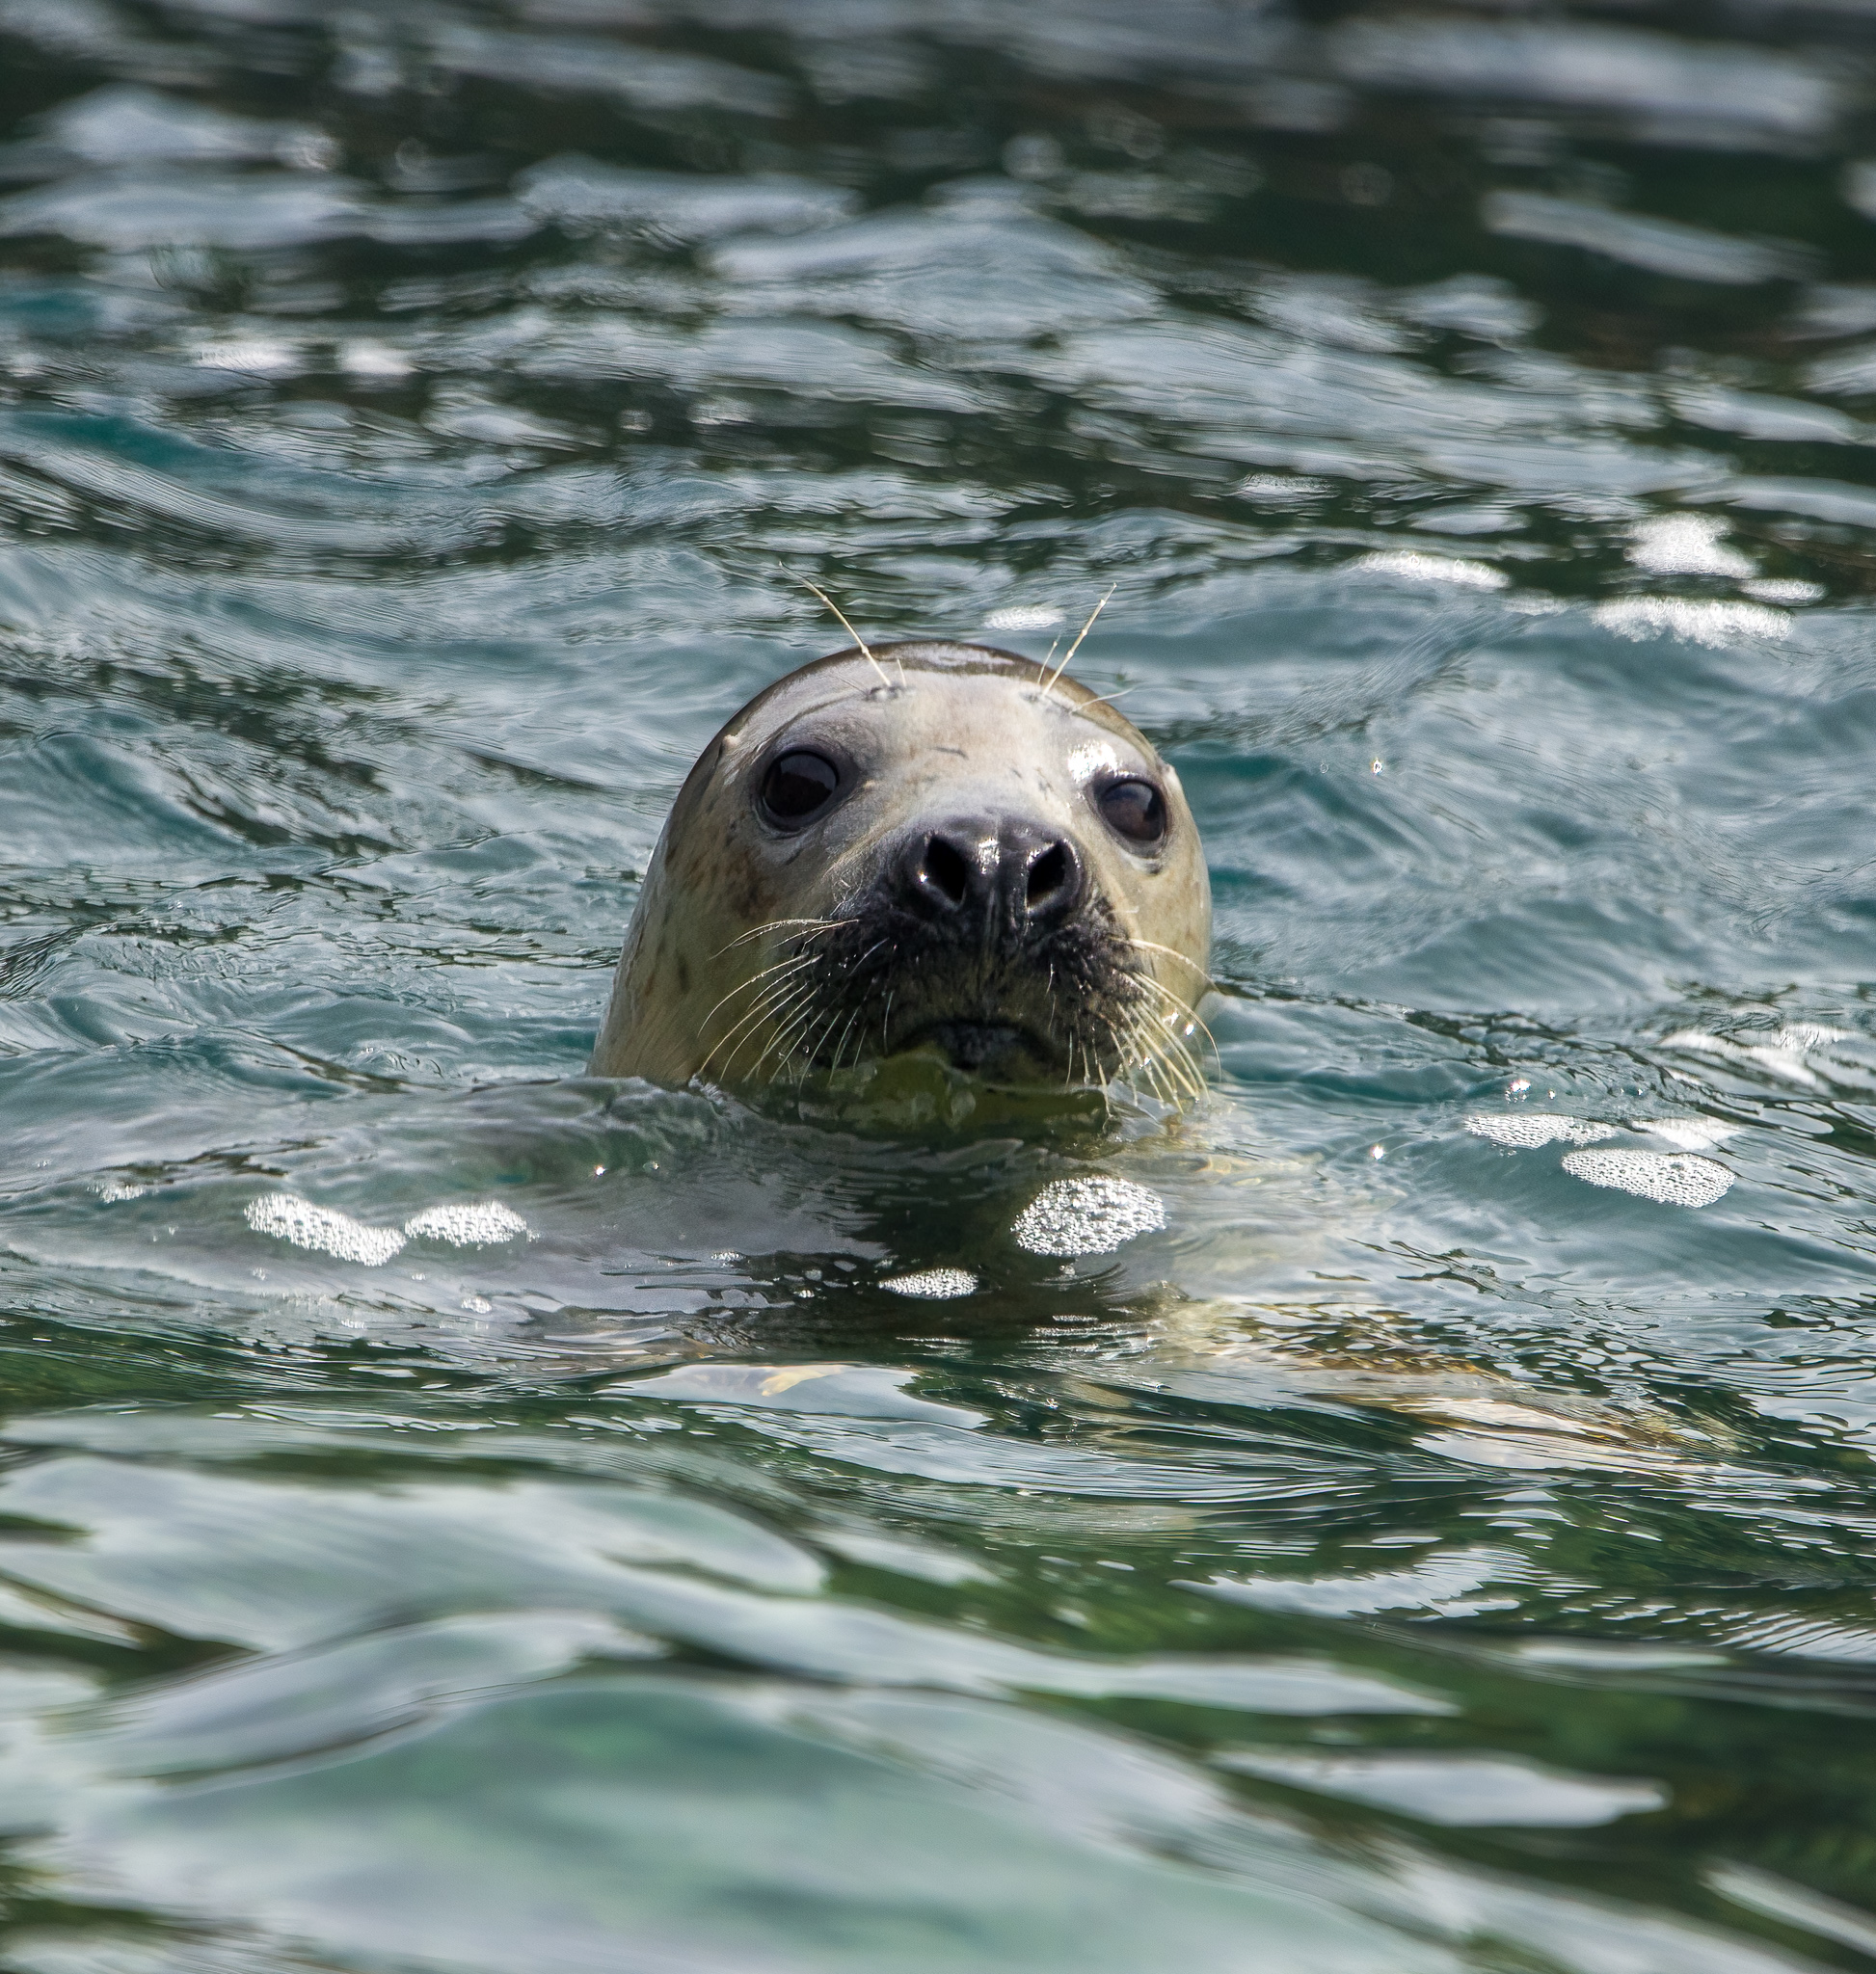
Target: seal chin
(1000,1052)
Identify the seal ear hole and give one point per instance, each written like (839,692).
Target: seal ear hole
(1135,809)
(798,786)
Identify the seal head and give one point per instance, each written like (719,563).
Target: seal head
(944,850)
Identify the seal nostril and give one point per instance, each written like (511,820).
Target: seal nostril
(944,870)
(1048,875)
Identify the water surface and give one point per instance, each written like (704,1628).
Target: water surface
(462,1515)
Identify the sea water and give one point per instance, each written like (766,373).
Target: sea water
(1411,1510)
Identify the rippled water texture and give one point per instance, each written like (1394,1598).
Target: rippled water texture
(1411,1513)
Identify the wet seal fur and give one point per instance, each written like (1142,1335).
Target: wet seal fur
(983,880)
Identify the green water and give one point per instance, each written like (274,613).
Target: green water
(1445,1540)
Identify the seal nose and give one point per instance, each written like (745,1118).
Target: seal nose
(973,873)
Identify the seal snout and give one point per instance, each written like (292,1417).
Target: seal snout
(985,875)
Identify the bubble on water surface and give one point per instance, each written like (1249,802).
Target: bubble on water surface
(932,1285)
(1700,622)
(323,1229)
(1675,1179)
(487,1225)
(1414,567)
(1088,1217)
(1525,1128)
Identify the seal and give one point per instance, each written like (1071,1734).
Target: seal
(920,846)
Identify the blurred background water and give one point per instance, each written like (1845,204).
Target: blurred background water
(460,1515)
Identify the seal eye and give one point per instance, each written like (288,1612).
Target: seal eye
(1136,810)
(797,787)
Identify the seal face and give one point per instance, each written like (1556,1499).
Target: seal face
(946,850)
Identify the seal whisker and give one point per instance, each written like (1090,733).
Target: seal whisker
(795,1049)
(859,1006)
(1168,1053)
(792,967)
(841,1046)
(783,1036)
(801,1057)
(848,1033)
(1171,952)
(801,1008)
(753,1029)
(776,989)
(1042,670)
(865,649)
(1138,1058)
(1079,636)
(775,926)
(793,963)
(834,1061)
(1179,1009)
(1163,1059)
(774,1006)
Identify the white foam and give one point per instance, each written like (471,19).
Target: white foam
(933,1285)
(1686,545)
(1675,1178)
(256,357)
(487,1225)
(1279,489)
(1088,1217)
(1024,617)
(1782,589)
(1701,623)
(109,1191)
(363,358)
(323,1230)
(1415,567)
(1525,1128)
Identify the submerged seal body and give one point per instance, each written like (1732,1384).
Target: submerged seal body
(930,846)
